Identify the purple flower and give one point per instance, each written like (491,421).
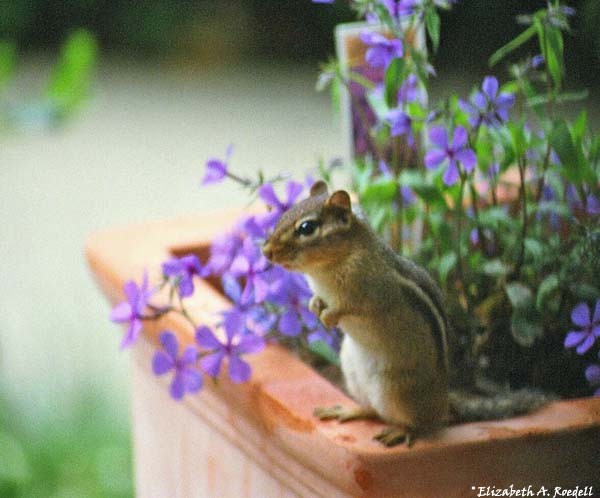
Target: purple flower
(455,153)
(186,379)
(537,61)
(592,374)
(584,339)
(381,50)
(183,270)
(487,106)
(592,203)
(400,124)
(292,293)
(267,193)
(236,344)
(400,8)
(255,317)
(216,169)
(251,265)
(409,90)
(131,310)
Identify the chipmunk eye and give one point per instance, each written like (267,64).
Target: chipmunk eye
(307,228)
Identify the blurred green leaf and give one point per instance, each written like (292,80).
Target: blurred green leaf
(13,460)
(524,330)
(381,190)
(495,268)
(554,54)
(545,290)
(446,265)
(574,166)
(432,24)
(534,248)
(394,76)
(322,349)
(512,45)
(8,58)
(71,78)
(519,295)
(424,188)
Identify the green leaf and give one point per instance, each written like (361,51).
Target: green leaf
(518,138)
(554,55)
(574,166)
(546,289)
(380,191)
(394,76)
(495,268)
(425,189)
(534,248)
(324,350)
(8,57)
(494,218)
(72,76)
(524,330)
(15,468)
(446,264)
(511,46)
(432,24)
(519,295)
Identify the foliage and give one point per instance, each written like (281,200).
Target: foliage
(502,188)
(70,457)
(66,90)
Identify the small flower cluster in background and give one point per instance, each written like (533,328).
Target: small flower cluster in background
(268,302)
(502,192)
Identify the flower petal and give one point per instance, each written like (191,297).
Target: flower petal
(574,338)
(162,363)
(293,191)
(586,345)
(239,370)
(439,137)
(121,312)
(467,158)
(434,158)
(189,356)
(581,315)
(207,339)
(211,364)
(216,170)
(452,174)
(135,327)
(289,324)
(169,343)
(192,380)
(460,138)
(250,343)
(592,374)
(177,388)
(596,318)
(267,194)
(490,87)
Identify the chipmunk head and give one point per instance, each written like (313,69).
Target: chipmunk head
(313,232)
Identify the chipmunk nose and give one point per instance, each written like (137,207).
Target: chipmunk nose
(267,250)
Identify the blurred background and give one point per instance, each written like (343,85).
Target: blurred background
(112,125)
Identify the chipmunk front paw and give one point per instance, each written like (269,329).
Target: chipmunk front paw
(316,305)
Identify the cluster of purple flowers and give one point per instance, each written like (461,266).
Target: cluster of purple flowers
(264,298)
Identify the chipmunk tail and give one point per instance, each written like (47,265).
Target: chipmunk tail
(469,407)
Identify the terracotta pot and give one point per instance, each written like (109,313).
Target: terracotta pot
(260,439)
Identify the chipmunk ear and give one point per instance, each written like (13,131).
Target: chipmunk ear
(318,188)
(339,199)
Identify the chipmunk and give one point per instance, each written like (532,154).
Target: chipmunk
(394,353)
